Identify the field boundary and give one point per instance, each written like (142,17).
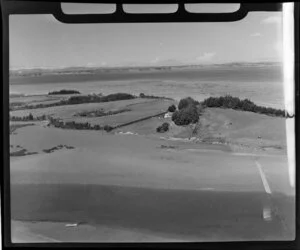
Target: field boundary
(139,120)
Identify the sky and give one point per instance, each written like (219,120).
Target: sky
(40,41)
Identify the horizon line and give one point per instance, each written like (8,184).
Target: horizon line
(144,66)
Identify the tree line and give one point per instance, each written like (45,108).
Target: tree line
(64,92)
(241,104)
(142,95)
(82,99)
(29,117)
(97,98)
(100,113)
(78,125)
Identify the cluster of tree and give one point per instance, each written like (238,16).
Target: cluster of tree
(238,104)
(98,98)
(101,112)
(117,97)
(73,125)
(187,102)
(81,99)
(163,128)
(77,125)
(172,108)
(188,113)
(142,95)
(64,92)
(29,117)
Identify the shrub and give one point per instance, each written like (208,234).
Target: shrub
(142,95)
(172,108)
(97,127)
(108,128)
(163,128)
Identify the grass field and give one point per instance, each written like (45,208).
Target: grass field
(149,186)
(139,108)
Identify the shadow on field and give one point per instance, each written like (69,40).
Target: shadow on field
(188,214)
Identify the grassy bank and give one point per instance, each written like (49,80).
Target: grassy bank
(14,127)
(80,100)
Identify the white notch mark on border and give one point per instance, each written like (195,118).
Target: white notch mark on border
(263,178)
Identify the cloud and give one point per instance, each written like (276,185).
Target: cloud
(206,56)
(256,34)
(90,64)
(165,62)
(155,60)
(272,19)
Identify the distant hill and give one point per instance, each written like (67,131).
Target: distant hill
(94,70)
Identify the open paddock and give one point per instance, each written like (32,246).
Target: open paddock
(139,108)
(65,111)
(33,99)
(118,180)
(137,111)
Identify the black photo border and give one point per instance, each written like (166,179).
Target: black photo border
(11,7)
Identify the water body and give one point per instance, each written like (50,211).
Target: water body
(261,84)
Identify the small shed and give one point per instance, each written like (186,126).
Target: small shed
(168,115)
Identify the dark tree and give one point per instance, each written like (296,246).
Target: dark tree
(172,108)
(108,128)
(186,116)
(30,117)
(184,103)
(163,128)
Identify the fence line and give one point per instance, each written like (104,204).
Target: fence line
(139,120)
